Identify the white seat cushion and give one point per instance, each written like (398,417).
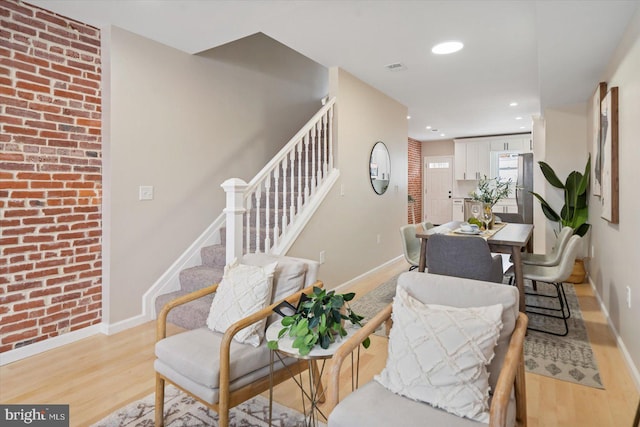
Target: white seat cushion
(390,409)
(196,355)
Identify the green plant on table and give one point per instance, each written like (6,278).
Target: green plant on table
(491,190)
(318,321)
(575,211)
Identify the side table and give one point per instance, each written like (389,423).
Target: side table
(316,393)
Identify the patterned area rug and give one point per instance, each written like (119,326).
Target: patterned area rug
(182,410)
(569,358)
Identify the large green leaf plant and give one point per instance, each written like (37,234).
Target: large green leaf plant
(575,211)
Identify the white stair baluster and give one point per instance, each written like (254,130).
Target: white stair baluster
(276,205)
(312,153)
(307,173)
(258,194)
(330,137)
(267,215)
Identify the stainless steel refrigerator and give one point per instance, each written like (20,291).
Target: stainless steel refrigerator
(524,187)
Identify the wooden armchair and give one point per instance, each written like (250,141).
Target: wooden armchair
(214,368)
(373,405)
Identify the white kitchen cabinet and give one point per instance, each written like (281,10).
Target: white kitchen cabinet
(505,206)
(458,209)
(472,159)
(517,143)
(460,160)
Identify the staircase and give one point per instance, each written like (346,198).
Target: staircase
(274,207)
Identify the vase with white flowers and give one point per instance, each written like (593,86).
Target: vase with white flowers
(489,192)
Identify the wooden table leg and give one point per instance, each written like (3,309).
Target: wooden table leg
(516,258)
(422,265)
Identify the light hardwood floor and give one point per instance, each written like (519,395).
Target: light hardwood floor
(100,374)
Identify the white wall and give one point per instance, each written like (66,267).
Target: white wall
(617,248)
(184,124)
(346,226)
(565,151)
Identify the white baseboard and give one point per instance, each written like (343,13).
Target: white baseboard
(114,328)
(369,273)
(635,374)
(48,344)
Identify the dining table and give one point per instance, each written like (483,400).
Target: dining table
(507,238)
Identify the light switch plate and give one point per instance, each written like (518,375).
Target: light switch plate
(146,192)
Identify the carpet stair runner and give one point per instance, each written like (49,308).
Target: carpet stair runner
(194,314)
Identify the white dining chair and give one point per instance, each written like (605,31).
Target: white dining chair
(554,275)
(553,257)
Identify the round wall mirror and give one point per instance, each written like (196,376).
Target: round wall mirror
(379,167)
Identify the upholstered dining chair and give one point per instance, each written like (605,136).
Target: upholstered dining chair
(463,256)
(411,244)
(419,387)
(213,366)
(555,275)
(513,218)
(553,257)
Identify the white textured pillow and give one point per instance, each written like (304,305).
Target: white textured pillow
(244,290)
(439,355)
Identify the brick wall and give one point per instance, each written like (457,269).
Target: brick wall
(50,175)
(415,179)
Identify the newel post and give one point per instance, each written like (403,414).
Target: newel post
(234,187)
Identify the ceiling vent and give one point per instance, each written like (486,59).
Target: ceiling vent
(396,66)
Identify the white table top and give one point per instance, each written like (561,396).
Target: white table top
(284,343)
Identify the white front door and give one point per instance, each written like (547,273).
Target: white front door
(438,188)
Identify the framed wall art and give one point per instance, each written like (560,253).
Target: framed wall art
(596,166)
(609,156)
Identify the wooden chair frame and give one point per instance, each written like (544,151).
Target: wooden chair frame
(227,398)
(511,374)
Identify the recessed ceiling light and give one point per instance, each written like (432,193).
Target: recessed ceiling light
(518,118)
(408,117)
(428,127)
(522,127)
(442,134)
(447,47)
(513,104)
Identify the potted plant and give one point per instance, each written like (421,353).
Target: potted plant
(490,191)
(319,320)
(575,211)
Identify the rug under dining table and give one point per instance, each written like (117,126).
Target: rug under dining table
(569,358)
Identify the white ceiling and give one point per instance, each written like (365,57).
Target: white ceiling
(537,53)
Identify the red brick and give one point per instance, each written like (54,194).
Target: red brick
(19,249)
(54,317)
(41,273)
(17,7)
(13,327)
(23,286)
(15,338)
(14,318)
(11,298)
(32,87)
(17,64)
(66,297)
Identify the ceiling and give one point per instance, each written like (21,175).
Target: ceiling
(539,54)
